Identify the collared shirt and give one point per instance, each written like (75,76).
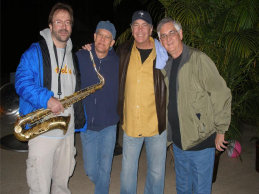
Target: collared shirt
(140,116)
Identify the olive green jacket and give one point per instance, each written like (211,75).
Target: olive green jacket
(203,98)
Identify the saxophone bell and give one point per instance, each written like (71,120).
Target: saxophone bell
(59,122)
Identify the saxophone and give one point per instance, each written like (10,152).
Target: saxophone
(43,120)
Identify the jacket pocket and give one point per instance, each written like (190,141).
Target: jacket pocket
(202,113)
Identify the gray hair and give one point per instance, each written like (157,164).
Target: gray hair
(176,24)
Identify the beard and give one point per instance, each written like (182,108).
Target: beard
(59,37)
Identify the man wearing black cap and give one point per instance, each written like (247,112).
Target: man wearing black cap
(98,140)
(142,108)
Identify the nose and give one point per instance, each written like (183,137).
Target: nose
(169,38)
(63,25)
(140,28)
(102,37)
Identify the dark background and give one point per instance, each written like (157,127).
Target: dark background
(21,21)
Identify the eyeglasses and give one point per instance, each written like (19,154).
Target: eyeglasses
(103,36)
(61,23)
(169,35)
(137,25)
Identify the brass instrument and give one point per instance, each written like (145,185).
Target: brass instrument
(43,120)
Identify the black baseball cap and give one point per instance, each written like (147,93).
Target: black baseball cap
(144,15)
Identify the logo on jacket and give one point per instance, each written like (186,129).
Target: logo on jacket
(64,70)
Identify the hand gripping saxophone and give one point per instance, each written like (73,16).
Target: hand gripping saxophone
(43,120)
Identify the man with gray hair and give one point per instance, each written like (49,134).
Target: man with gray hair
(199,109)
(98,140)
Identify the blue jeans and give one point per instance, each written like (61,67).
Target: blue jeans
(194,170)
(156,156)
(98,148)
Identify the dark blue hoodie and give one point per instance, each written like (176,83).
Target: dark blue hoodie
(101,106)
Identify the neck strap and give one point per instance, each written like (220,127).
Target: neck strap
(59,69)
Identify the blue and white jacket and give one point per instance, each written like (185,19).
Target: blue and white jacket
(33,81)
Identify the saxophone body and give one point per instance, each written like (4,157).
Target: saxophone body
(43,120)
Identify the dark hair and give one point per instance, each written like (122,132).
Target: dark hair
(61,6)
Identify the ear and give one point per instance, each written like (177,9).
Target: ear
(94,36)
(112,43)
(181,34)
(131,30)
(151,29)
(50,27)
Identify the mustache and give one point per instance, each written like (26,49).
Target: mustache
(100,44)
(63,30)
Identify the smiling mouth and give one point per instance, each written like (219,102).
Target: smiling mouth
(63,32)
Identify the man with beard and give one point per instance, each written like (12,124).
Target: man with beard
(47,73)
(98,140)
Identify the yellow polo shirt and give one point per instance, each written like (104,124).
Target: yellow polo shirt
(140,116)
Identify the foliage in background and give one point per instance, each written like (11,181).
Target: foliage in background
(228,32)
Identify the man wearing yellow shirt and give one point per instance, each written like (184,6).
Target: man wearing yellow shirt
(142,108)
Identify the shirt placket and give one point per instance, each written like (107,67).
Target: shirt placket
(138,101)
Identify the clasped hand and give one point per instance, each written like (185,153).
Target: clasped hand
(55,106)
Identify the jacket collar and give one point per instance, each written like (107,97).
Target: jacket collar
(185,57)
